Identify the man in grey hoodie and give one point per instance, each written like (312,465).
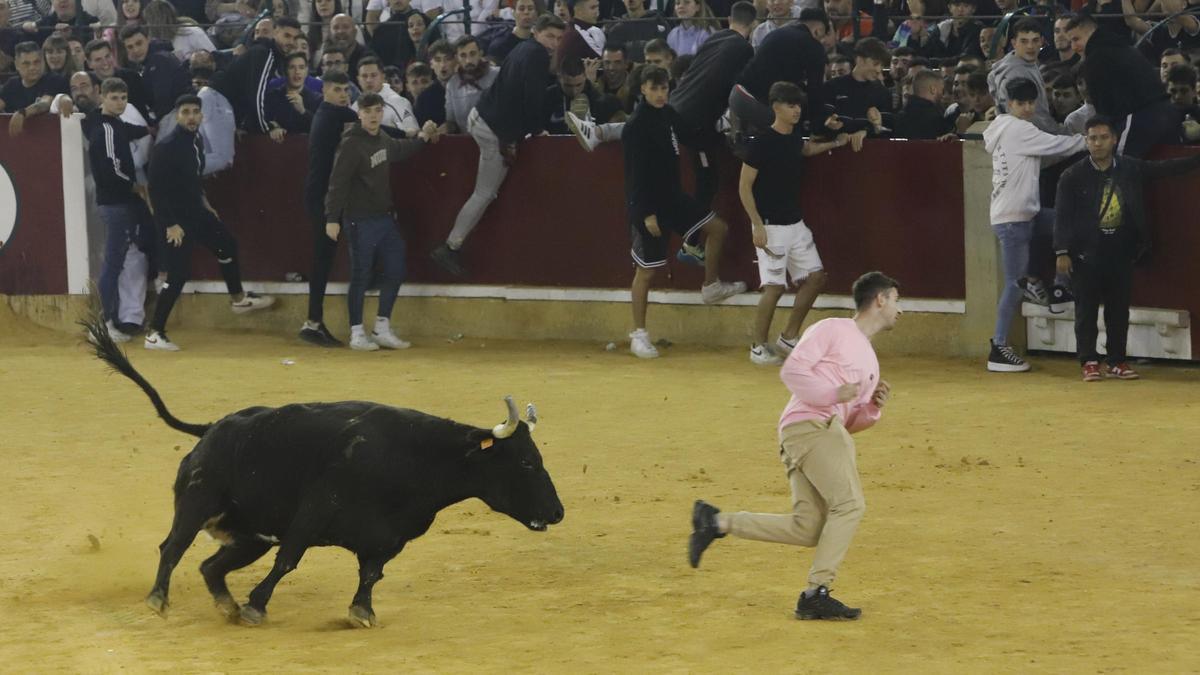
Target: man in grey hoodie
(1022,62)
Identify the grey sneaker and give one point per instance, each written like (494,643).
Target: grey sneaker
(721,290)
(763,355)
(251,302)
(158,342)
(784,345)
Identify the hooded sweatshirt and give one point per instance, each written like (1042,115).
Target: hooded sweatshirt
(1016,147)
(1120,80)
(360,184)
(1012,67)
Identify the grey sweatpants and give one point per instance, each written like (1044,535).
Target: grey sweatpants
(488,178)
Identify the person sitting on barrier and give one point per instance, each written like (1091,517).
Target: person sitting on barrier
(32,90)
(475,74)
(657,205)
(360,196)
(508,112)
(1017,147)
(291,105)
(1100,231)
(185,217)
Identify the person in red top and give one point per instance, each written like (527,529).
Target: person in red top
(833,375)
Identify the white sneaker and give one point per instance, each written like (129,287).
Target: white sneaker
(720,290)
(388,340)
(114,333)
(360,342)
(762,355)
(640,345)
(159,341)
(251,302)
(585,131)
(785,346)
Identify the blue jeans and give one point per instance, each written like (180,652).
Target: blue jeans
(1014,259)
(124,224)
(372,239)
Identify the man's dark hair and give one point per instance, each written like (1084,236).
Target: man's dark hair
(297,55)
(1182,74)
(131,30)
(393,71)
(977,83)
(873,49)
(369,101)
(331,50)
(814,15)
(26,48)
(840,58)
(680,65)
(1099,121)
(743,13)
(1171,51)
(1026,25)
(545,21)
(921,61)
(95,46)
(189,99)
(440,47)
(370,61)
(464,42)
(868,287)
(1021,89)
(418,69)
(923,78)
(965,69)
(961,2)
(788,93)
(286,22)
(903,51)
(1063,81)
(336,77)
(610,47)
(656,75)
(202,72)
(658,46)
(113,84)
(571,68)
(1081,20)
(571,5)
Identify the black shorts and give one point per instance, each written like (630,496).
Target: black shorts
(682,215)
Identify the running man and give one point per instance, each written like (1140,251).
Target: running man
(768,188)
(182,211)
(657,204)
(833,375)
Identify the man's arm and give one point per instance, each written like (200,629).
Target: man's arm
(345,163)
(1169,167)
(746,193)
(1065,211)
(160,174)
(797,373)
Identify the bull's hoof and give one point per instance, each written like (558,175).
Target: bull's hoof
(360,617)
(248,616)
(157,601)
(228,607)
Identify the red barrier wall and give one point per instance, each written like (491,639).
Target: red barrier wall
(34,259)
(560,218)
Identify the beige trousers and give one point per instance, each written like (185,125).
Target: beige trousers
(827,497)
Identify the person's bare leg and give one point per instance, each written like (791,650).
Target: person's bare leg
(640,291)
(806,295)
(715,231)
(768,299)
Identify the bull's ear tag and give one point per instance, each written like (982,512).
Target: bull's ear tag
(485,443)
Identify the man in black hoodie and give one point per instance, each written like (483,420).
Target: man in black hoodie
(1099,231)
(510,110)
(793,53)
(183,213)
(1125,88)
(244,83)
(164,76)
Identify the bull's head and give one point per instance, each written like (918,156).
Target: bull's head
(514,481)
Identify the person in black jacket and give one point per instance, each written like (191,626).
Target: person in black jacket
(120,200)
(290,106)
(511,109)
(793,53)
(1099,231)
(923,117)
(185,217)
(860,96)
(102,61)
(163,75)
(328,123)
(244,82)
(1125,88)
(657,205)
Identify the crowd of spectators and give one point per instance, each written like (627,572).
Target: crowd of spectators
(911,69)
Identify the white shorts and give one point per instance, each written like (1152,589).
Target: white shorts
(790,252)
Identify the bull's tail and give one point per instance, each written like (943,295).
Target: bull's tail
(108,352)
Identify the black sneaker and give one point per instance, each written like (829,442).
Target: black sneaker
(1061,299)
(704,530)
(1003,359)
(823,606)
(448,259)
(319,336)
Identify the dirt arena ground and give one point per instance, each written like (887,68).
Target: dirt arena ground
(1021,523)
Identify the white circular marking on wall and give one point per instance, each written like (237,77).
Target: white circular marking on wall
(8,206)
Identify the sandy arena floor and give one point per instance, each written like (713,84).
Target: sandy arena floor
(1015,523)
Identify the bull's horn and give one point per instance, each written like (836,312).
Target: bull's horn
(531,416)
(505,430)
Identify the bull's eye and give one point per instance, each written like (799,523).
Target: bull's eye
(527,465)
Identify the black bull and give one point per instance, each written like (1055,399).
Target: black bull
(363,476)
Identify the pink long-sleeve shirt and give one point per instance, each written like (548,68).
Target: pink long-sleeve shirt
(831,353)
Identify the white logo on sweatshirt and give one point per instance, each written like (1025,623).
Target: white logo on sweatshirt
(379,157)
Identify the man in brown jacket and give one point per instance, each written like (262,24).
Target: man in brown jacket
(360,195)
